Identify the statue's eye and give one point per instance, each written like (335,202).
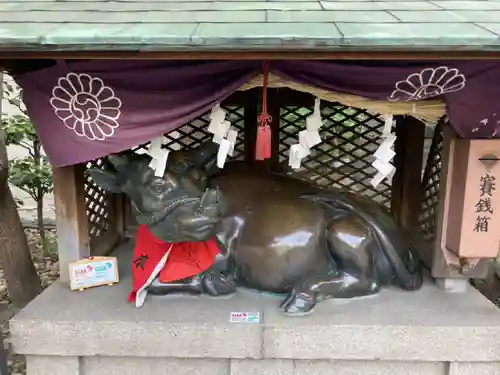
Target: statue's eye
(158,186)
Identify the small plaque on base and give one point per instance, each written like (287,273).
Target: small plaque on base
(93,271)
(244,317)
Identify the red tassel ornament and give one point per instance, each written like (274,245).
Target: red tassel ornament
(263,142)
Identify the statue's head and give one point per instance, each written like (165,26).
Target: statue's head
(177,207)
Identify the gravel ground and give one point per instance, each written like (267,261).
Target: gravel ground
(48,269)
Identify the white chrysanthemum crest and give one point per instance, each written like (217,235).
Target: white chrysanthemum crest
(428,83)
(86,105)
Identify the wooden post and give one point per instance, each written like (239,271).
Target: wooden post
(104,243)
(119,224)
(409,148)
(274,107)
(250,122)
(4,368)
(71,218)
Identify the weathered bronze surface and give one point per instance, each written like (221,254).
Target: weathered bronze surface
(276,233)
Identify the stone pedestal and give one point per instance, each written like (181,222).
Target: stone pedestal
(97,332)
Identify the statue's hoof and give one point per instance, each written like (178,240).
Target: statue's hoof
(299,305)
(286,301)
(216,284)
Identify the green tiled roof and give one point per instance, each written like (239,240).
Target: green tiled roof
(247,25)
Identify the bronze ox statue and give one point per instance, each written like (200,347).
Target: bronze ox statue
(275,233)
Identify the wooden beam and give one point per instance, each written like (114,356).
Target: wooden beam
(316,54)
(287,97)
(71,218)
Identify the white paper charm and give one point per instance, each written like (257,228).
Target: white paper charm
(161,163)
(317,105)
(313,138)
(308,138)
(224,147)
(314,122)
(232,135)
(375,181)
(158,155)
(304,141)
(389,122)
(217,115)
(388,142)
(383,167)
(224,134)
(220,131)
(296,153)
(384,154)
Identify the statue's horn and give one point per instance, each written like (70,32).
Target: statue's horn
(118,161)
(201,156)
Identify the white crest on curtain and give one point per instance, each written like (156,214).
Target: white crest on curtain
(428,83)
(86,105)
(492,121)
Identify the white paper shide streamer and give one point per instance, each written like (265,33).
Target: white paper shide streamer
(224,134)
(308,138)
(385,153)
(159,156)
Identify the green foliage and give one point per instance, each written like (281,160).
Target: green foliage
(19,131)
(31,173)
(34,179)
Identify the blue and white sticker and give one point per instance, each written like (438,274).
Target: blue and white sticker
(244,317)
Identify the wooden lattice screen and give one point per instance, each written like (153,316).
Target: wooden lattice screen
(430,186)
(105,214)
(195,133)
(343,160)
(98,203)
(350,137)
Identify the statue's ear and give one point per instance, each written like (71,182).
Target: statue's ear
(105,179)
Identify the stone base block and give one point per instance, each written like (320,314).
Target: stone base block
(428,332)
(52,365)
(39,365)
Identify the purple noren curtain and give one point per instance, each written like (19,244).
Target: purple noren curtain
(86,110)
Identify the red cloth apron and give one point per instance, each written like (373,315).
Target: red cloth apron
(171,261)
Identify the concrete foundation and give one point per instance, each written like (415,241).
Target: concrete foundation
(98,332)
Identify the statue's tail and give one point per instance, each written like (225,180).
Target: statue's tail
(406,265)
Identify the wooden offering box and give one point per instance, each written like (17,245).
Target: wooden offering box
(473,225)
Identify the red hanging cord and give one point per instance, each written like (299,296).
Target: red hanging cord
(263,142)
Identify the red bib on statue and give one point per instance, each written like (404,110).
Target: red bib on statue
(169,261)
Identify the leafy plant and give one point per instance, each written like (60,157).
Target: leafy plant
(31,173)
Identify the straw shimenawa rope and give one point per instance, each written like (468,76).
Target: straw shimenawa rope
(430,110)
